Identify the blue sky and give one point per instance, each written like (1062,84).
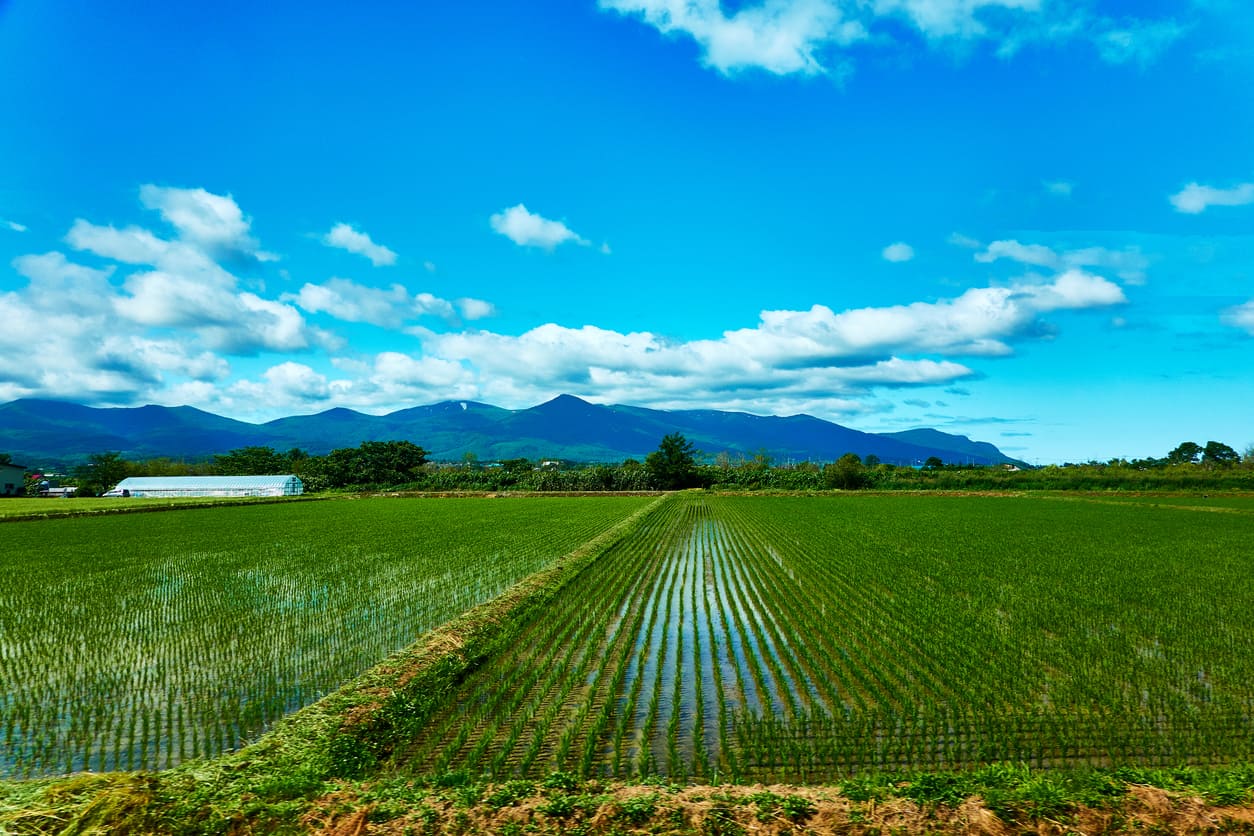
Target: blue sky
(1026,221)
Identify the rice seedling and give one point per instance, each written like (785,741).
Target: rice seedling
(138,641)
(801,638)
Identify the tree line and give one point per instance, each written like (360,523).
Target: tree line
(676,464)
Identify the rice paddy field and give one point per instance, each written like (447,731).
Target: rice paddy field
(722,638)
(802,639)
(137,641)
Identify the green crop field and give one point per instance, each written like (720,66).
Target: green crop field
(139,640)
(16,508)
(744,638)
(805,638)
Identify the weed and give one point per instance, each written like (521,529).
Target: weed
(636,810)
(510,793)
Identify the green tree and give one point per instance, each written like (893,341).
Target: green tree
(252,461)
(1186,453)
(382,463)
(673,465)
(933,463)
(1221,455)
(846,473)
(101,472)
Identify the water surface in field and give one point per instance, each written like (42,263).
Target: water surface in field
(714,650)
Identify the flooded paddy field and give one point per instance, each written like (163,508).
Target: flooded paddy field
(138,641)
(803,638)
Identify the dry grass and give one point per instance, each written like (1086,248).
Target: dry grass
(740,811)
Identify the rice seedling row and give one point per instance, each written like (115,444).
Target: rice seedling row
(793,638)
(139,641)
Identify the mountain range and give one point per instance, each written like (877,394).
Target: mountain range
(46,432)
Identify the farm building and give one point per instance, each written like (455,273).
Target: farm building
(168,486)
(12,478)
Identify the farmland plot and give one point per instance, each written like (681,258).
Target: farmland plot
(138,641)
(795,638)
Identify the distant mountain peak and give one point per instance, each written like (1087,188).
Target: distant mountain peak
(46,432)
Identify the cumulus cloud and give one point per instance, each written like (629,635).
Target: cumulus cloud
(1241,316)
(898,252)
(148,357)
(527,229)
(187,287)
(14,226)
(162,321)
(390,307)
(345,237)
(85,352)
(812,37)
(794,356)
(1196,198)
(389,380)
(779,36)
(213,222)
(473,309)
(1129,264)
(56,284)
(817,360)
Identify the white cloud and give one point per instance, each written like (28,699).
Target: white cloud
(14,226)
(811,37)
(1137,42)
(779,36)
(1196,198)
(950,18)
(213,222)
(530,230)
(85,352)
(131,245)
(473,309)
(388,381)
(282,388)
(811,356)
(389,307)
(346,237)
(1058,188)
(188,289)
(297,380)
(1128,264)
(898,252)
(1241,316)
(1034,254)
(160,356)
(56,284)
(163,328)
(964,241)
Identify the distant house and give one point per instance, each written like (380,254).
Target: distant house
(172,486)
(12,479)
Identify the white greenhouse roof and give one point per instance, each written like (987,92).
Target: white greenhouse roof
(173,483)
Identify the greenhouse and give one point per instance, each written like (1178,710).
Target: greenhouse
(168,486)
